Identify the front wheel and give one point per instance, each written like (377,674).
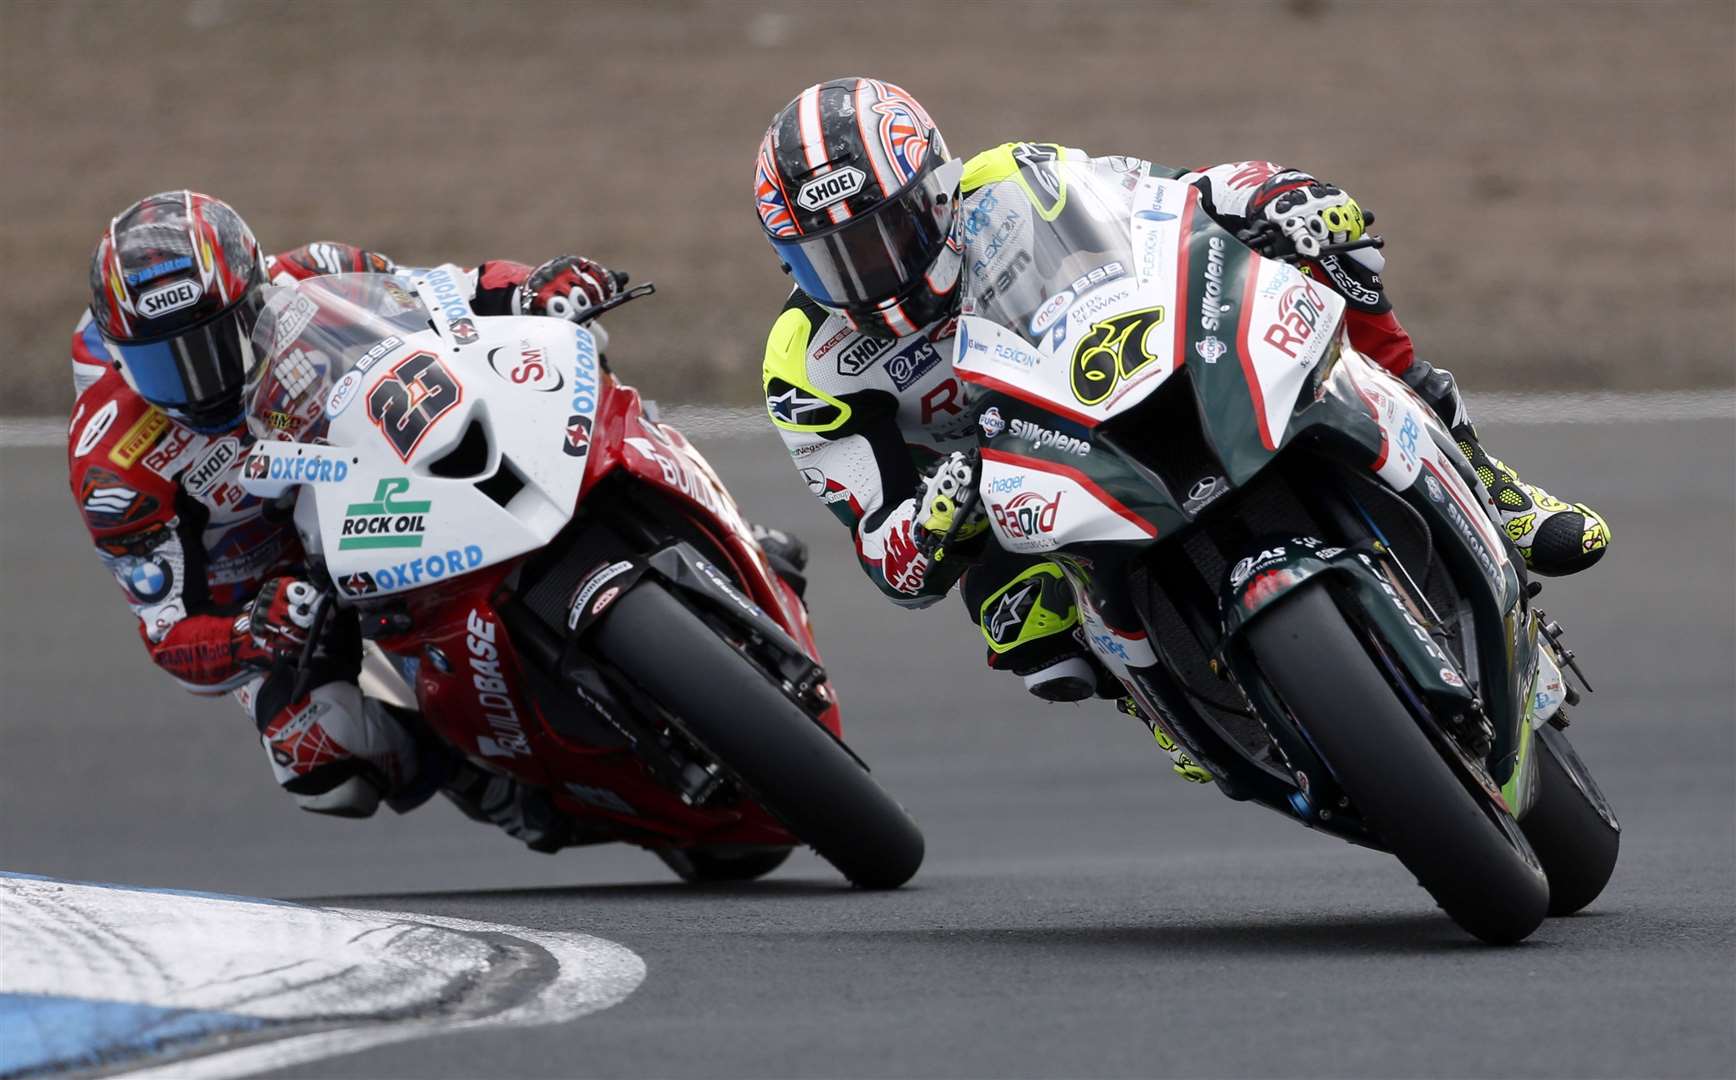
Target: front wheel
(1570,826)
(784,759)
(1465,850)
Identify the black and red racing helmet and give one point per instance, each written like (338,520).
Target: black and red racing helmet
(175,288)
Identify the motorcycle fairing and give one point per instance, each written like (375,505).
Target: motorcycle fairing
(442,442)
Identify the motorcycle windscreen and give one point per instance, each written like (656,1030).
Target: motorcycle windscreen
(1039,239)
(314,340)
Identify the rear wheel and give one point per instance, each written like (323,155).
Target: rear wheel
(707,865)
(1570,826)
(783,758)
(1465,850)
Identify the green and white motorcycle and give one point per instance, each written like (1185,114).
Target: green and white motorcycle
(1274,543)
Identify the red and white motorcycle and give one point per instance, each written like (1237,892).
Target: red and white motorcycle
(562,580)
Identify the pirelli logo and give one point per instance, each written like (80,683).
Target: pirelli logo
(140,437)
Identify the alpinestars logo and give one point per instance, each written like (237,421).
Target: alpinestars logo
(790,407)
(1011,612)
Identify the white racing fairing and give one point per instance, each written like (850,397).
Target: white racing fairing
(421,437)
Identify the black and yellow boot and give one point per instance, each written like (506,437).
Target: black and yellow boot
(1555,537)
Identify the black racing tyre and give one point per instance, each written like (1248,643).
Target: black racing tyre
(786,761)
(709,865)
(1468,854)
(1570,826)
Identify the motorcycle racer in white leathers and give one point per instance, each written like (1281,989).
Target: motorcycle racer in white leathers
(876,224)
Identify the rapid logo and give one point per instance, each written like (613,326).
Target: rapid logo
(492,694)
(991,422)
(433,567)
(835,186)
(171,297)
(1301,308)
(1041,437)
(912,364)
(1027,515)
(387,522)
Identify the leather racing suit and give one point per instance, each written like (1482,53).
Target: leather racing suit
(190,550)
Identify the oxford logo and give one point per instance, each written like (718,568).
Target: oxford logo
(835,186)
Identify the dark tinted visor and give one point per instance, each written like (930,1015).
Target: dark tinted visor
(873,257)
(194,367)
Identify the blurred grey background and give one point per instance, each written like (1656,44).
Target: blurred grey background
(1554,178)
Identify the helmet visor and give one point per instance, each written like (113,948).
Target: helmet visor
(195,367)
(872,257)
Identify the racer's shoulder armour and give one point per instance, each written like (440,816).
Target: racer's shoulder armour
(111,441)
(803,335)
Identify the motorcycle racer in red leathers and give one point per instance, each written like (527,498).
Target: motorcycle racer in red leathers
(857,195)
(214,575)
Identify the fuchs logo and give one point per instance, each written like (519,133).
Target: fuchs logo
(991,422)
(211,467)
(171,297)
(1027,515)
(835,186)
(1210,348)
(861,354)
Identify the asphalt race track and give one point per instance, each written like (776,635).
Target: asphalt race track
(1082,912)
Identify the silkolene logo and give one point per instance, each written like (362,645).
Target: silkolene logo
(835,186)
(171,297)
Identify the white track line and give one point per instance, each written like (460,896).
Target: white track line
(716,422)
(371,978)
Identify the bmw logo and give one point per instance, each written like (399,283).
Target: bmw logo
(150,579)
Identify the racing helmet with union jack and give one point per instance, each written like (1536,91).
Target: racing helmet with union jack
(175,288)
(857,194)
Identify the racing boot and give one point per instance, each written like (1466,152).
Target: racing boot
(335,751)
(1184,765)
(1554,537)
(787,554)
(522,812)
